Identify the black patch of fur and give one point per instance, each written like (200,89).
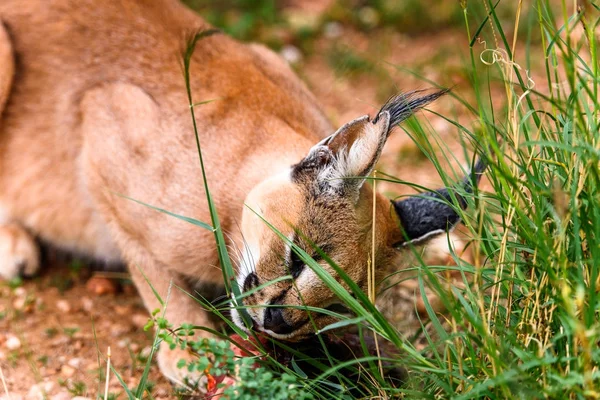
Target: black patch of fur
(428,213)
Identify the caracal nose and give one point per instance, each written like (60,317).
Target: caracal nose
(275,322)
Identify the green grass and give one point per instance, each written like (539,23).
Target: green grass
(526,323)
(523,323)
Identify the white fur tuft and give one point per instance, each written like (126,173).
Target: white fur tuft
(360,158)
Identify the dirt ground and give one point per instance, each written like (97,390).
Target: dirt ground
(53,327)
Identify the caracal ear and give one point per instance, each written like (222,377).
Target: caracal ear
(341,162)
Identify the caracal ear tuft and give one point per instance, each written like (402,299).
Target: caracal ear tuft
(403,105)
(341,162)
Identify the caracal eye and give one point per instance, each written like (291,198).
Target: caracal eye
(296,264)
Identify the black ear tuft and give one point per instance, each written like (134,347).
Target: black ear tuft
(403,105)
(428,214)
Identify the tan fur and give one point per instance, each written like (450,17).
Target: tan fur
(7,62)
(97,107)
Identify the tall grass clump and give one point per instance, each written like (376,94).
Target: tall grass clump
(522,319)
(523,323)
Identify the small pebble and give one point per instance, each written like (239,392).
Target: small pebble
(291,54)
(20,292)
(75,362)
(24,304)
(19,303)
(146,352)
(12,342)
(101,286)
(67,370)
(40,390)
(87,304)
(63,306)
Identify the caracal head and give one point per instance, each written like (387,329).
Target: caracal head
(323,206)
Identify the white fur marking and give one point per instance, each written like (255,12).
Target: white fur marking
(248,263)
(420,239)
